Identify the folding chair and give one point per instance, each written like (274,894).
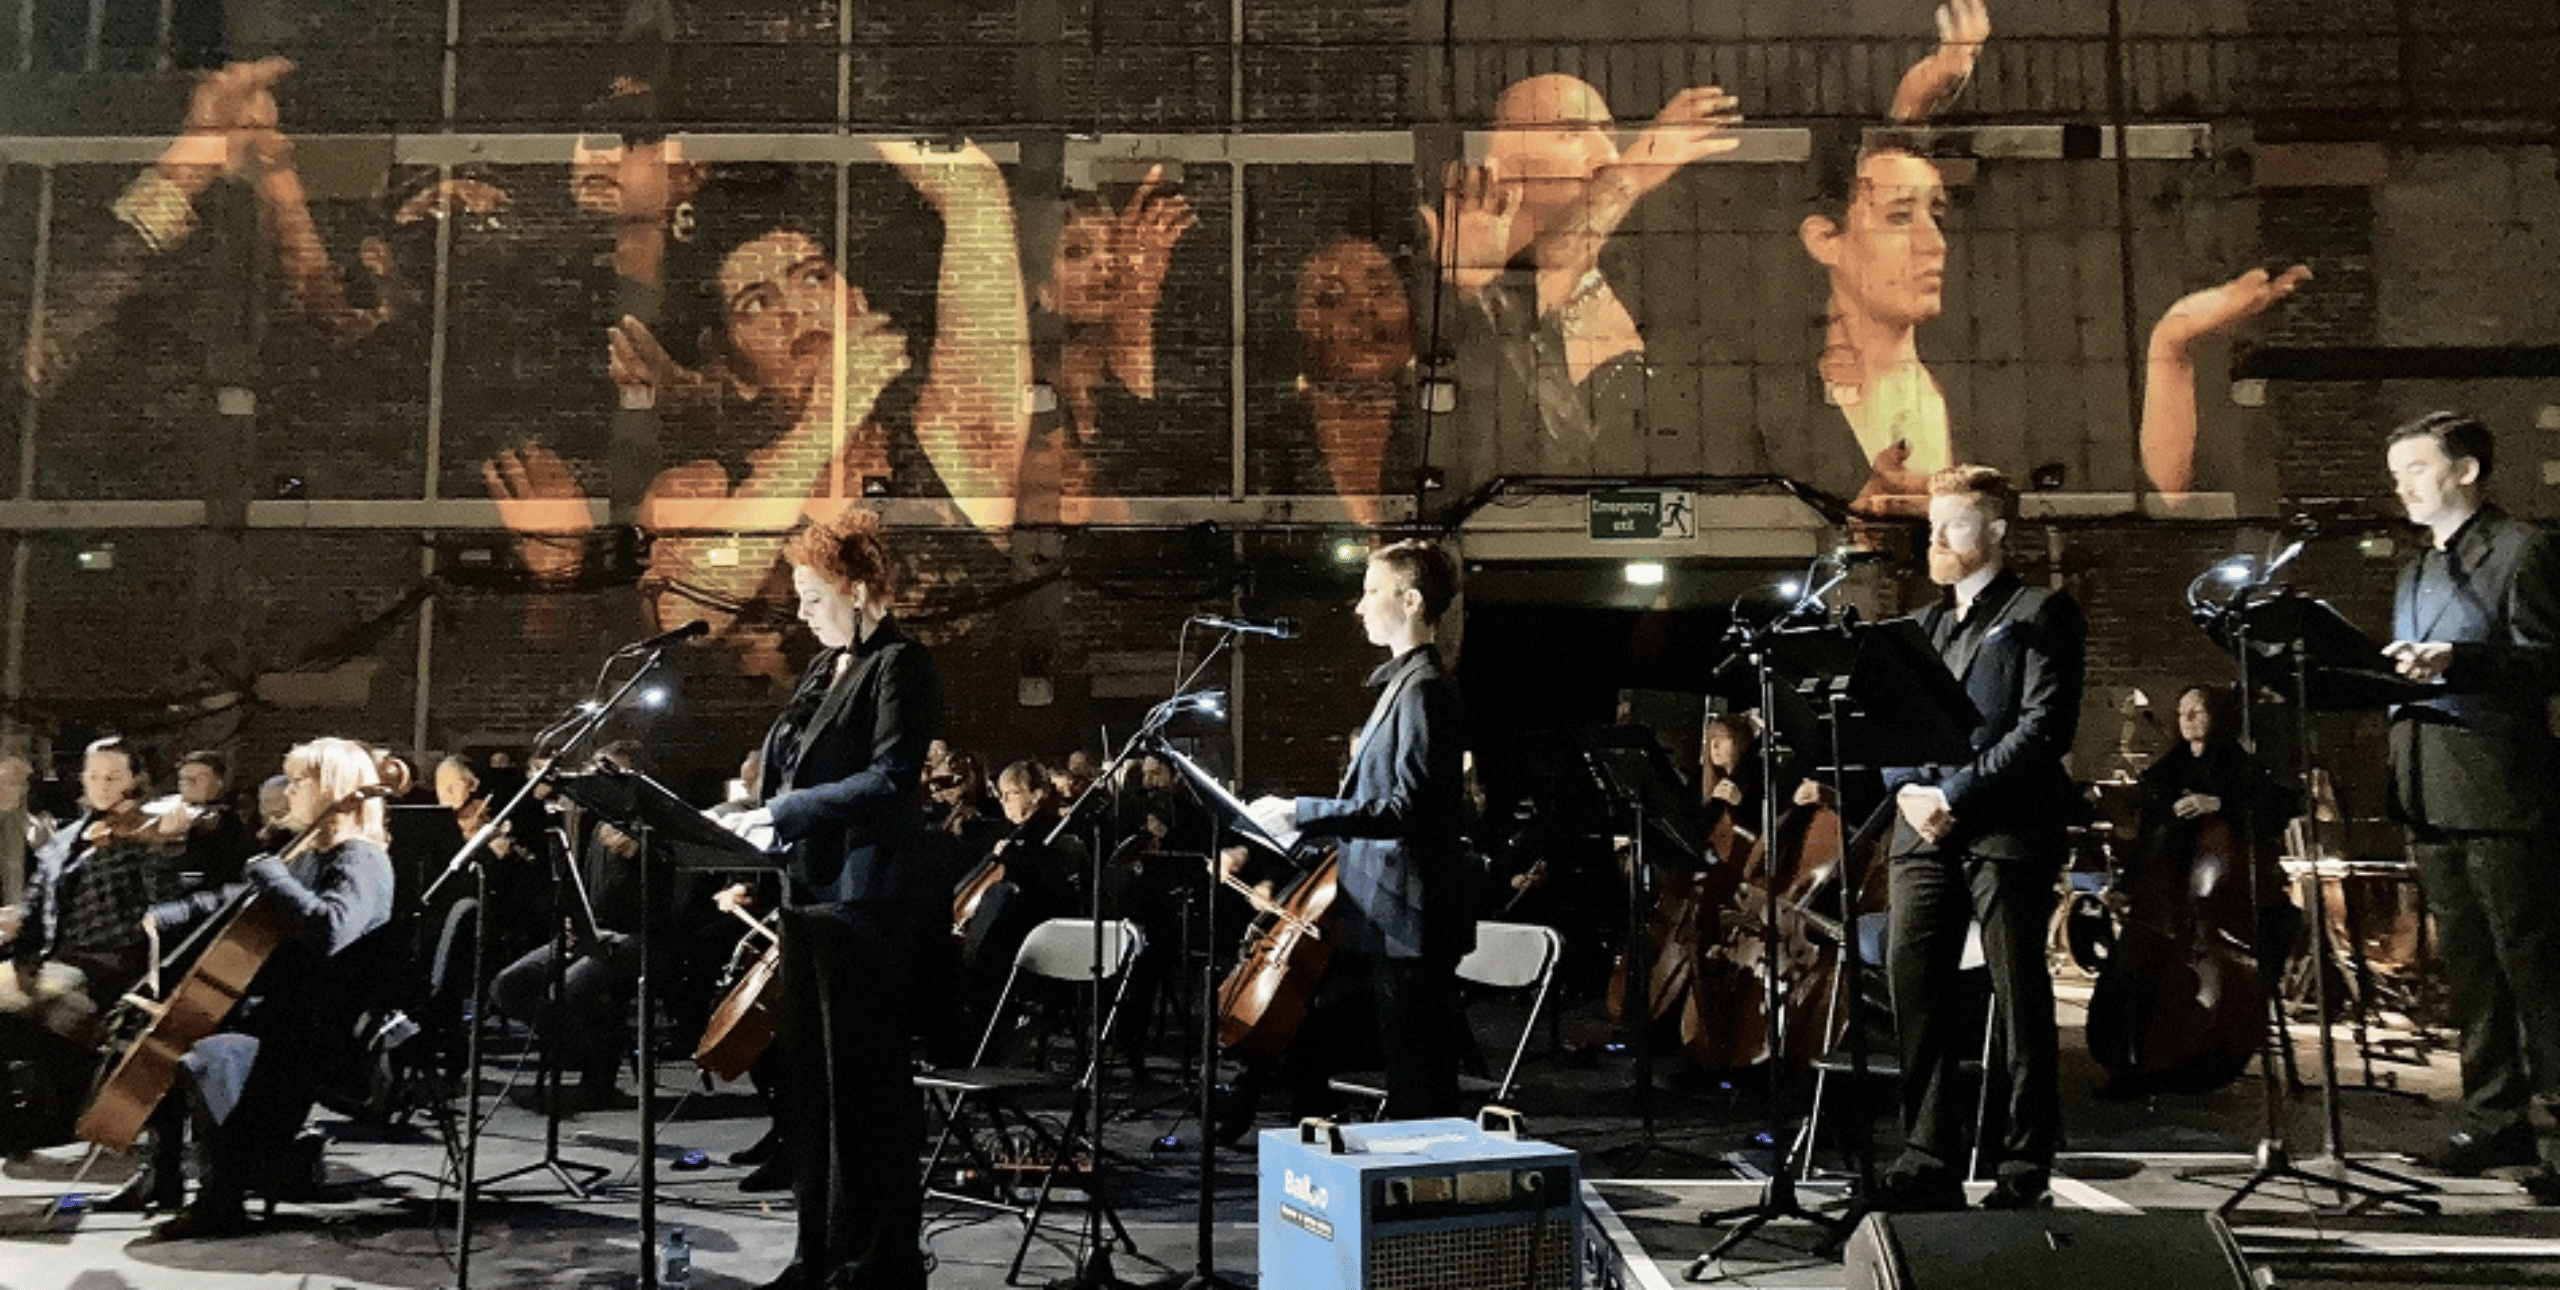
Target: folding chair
(1871,960)
(988,1102)
(1508,956)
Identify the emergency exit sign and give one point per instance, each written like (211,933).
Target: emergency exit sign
(1642,515)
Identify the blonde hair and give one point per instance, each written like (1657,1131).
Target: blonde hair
(343,768)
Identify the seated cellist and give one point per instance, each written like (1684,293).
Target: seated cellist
(251,1087)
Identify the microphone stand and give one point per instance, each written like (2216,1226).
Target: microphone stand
(1778,1199)
(579,724)
(2273,1159)
(1093,1264)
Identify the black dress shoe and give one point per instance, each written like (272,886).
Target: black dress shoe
(2020,1189)
(773,1175)
(758,1151)
(1231,1114)
(2543,1185)
(204,1222)
(1918,1191)
(144,1192)
(2468,1154)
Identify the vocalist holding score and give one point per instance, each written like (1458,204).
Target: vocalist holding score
(1404,910)
(2477,617)
(841,795)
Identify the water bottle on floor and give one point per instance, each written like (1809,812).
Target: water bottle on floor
(676,1267)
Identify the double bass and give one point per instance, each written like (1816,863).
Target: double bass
(2179,1004)
(236,943)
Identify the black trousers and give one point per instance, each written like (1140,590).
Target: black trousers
(1934,898)
(2500,936)
(848,1092)
(1401,1012)
(592,1029)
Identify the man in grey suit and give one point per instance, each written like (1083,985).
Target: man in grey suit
(2477,618)
(1404,906)
(1982,841)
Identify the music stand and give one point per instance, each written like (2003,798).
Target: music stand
(1634,777)
(1226,812)
(1888,700)
(686,841)
(574,1177)
(2331,665)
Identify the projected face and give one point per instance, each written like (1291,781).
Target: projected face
(1889,262)
(609,179)
(785,304)
(1552,134)
(1353,316)
(1086,277)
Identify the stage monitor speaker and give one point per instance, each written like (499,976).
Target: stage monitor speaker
(2064,1249)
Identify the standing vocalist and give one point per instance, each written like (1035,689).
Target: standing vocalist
(2477,618)
(842,793)
(1982,841)
(1405,906)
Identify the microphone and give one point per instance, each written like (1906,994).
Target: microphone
(690,631)
(1278,629)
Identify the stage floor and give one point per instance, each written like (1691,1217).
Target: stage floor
(388,1220)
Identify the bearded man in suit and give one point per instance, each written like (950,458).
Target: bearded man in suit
(1982,841)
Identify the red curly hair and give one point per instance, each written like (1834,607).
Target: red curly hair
(846,550)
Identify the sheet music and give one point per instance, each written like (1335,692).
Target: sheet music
(1240,817)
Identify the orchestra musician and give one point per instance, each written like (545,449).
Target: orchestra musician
(274,805)
(251,1087)
(1040,881)
(81,943)
(1983,840)
(1729,772)
(23,831)
(590,1028)
(205,823)
(2476,616)
(2208,772)
(1405,908)
(842,797)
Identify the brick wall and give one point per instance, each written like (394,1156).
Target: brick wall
(2031,350)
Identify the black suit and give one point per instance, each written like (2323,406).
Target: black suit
(1406,898)
(844,770)
(2019,657)
(2471,779)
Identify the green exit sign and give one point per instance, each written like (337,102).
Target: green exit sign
(1642,515)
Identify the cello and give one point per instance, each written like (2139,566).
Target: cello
(1727,1024)
(236,944)
(741,1028)
(1265,996)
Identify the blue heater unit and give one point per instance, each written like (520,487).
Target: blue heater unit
(1418,1205)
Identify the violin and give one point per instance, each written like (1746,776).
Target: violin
(128,823)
